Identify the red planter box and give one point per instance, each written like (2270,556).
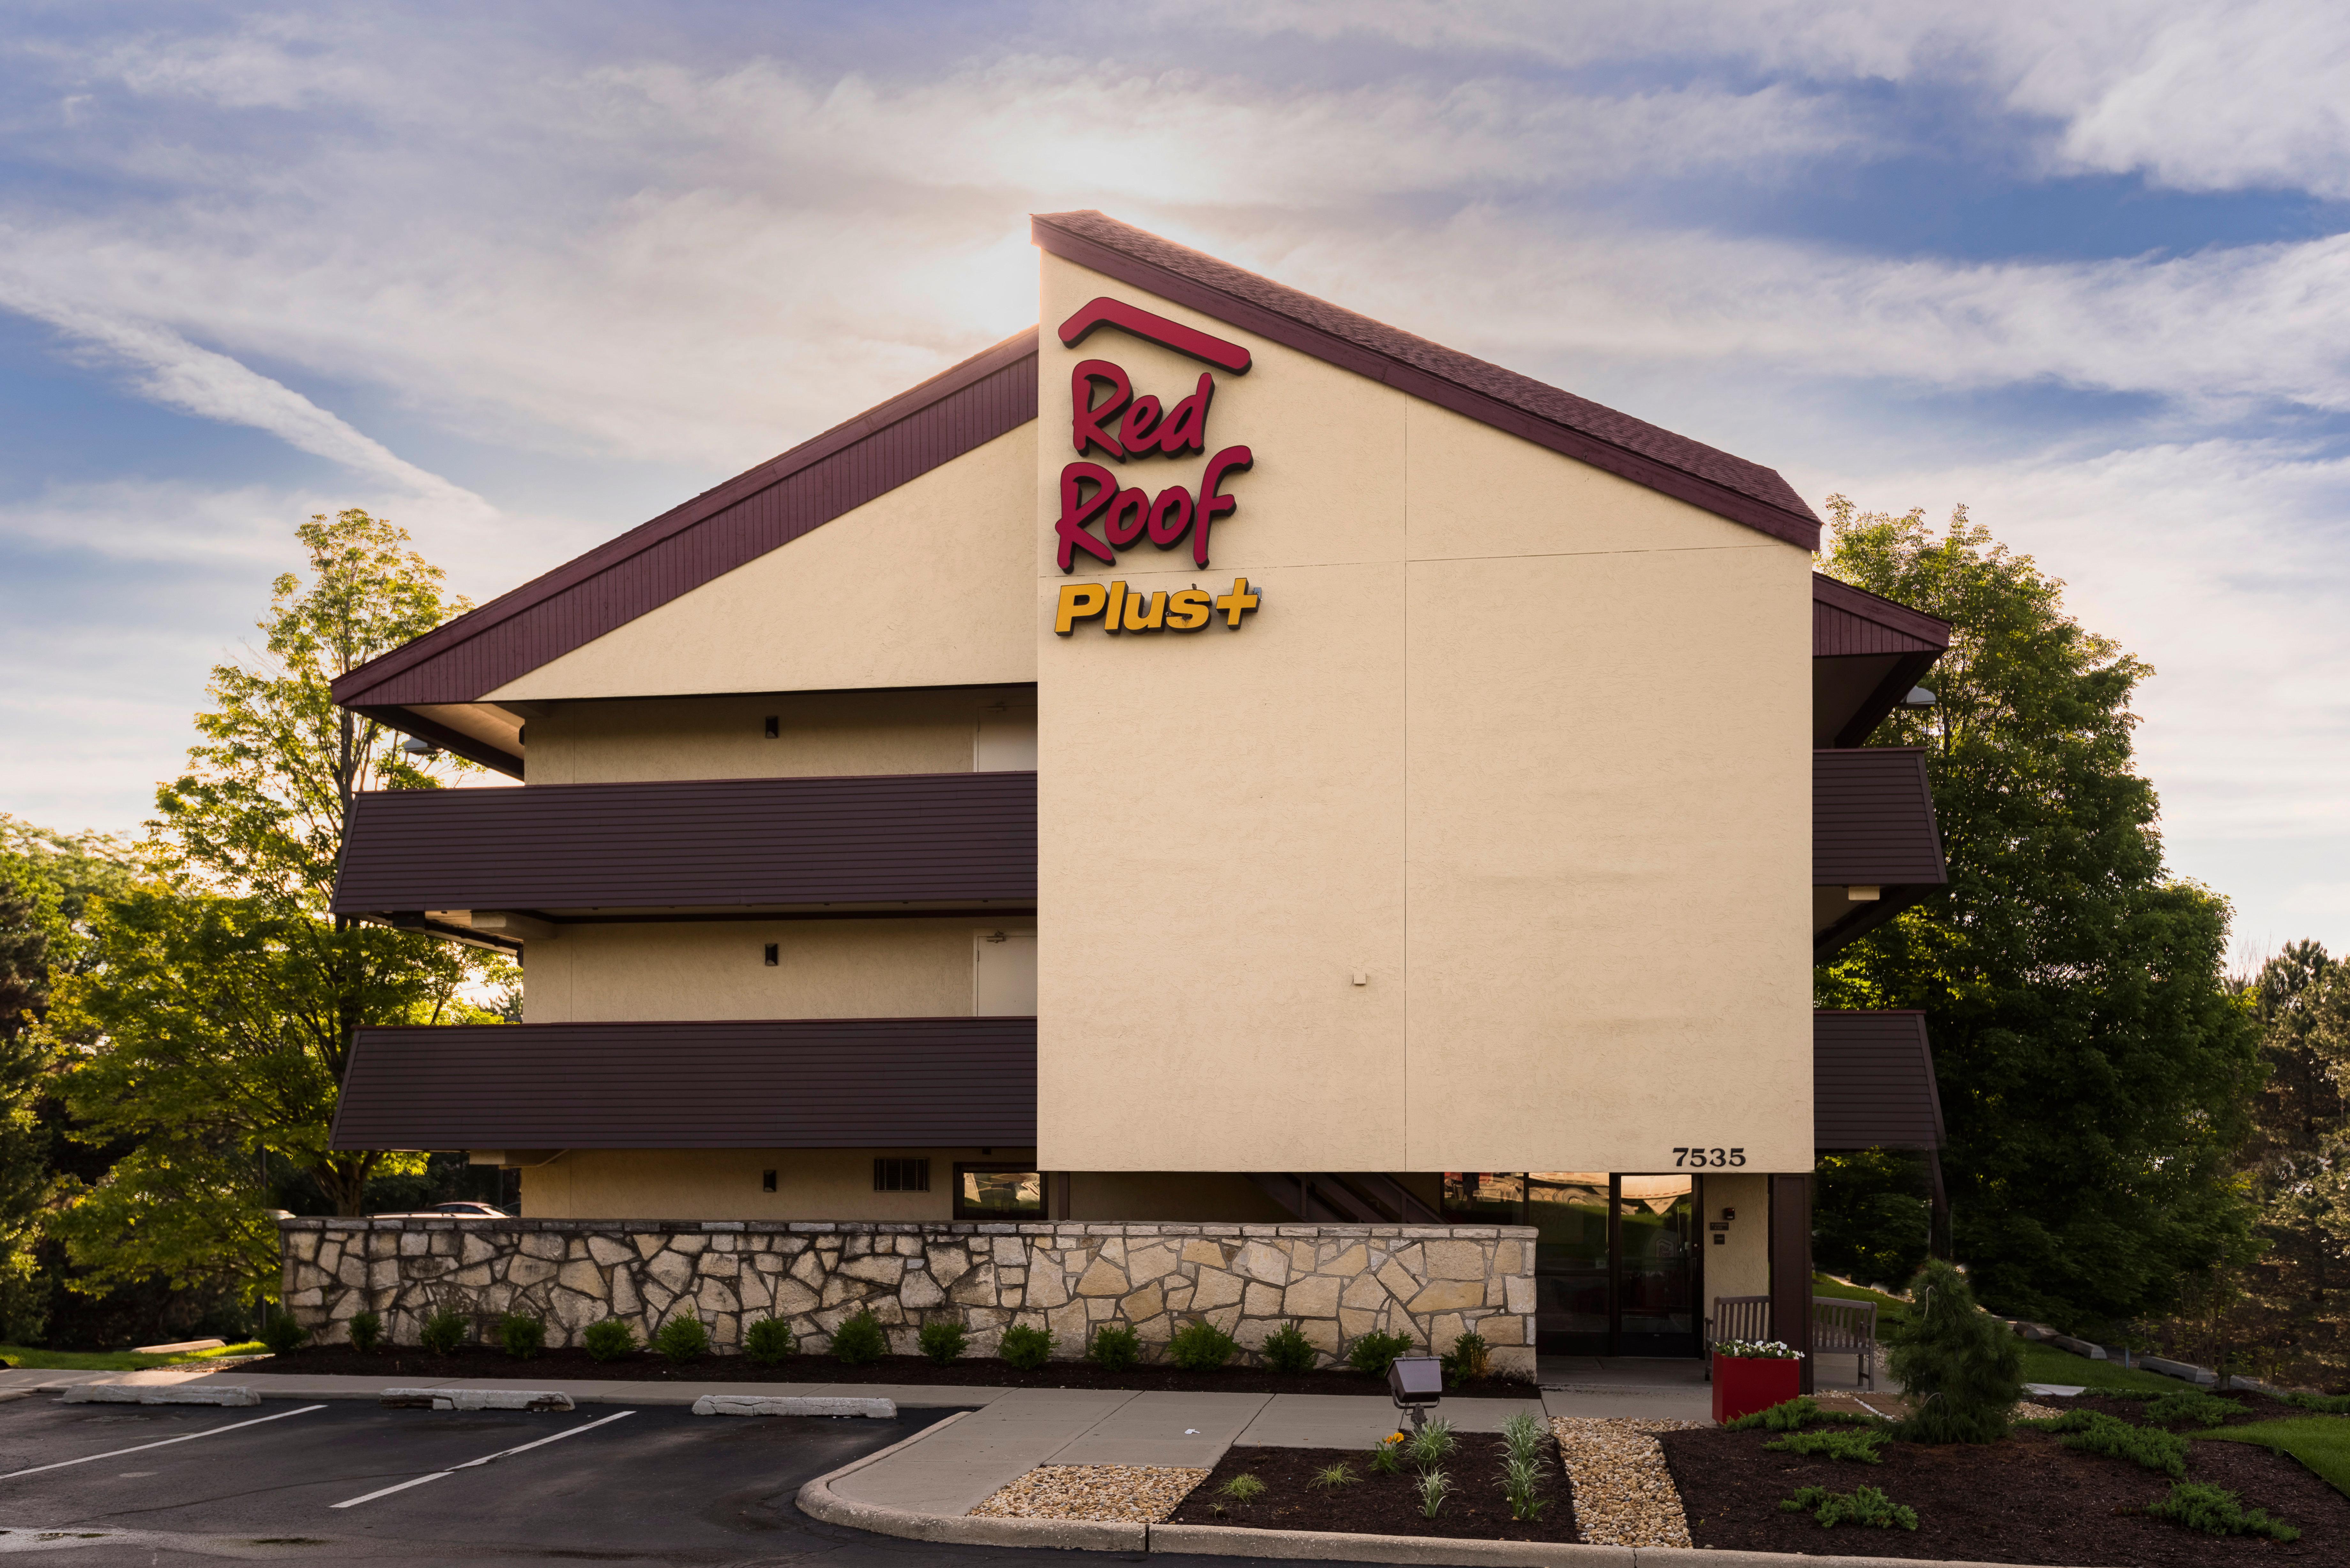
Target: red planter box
(1745,1384)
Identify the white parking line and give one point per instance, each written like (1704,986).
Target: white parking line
(485,1458)
(166,1442)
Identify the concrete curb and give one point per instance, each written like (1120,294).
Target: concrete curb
(158,1394)
(793,1404)
(476,1399)
(818,1500)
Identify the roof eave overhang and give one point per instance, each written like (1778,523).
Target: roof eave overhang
(1794,528)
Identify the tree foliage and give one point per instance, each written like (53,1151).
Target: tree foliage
(213,1027)
(2095,1075)
(1961,1369)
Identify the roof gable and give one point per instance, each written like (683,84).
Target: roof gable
(1631,449)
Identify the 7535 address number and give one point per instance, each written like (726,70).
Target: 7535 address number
(1691,1158)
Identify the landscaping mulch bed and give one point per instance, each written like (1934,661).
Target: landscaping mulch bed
(1375,1504)
(2026,1500)
(973,1372)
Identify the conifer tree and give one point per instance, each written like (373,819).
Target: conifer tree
(1962,1368)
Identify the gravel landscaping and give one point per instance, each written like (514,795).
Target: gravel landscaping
(1116,1494)
(1623,1492)
(971,1372)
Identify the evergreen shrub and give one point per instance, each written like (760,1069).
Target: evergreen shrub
(1962,1368)
(608,1340)
(2191,1407)
(1116,1347)
(682,1339)
(442,1333)
(1026,1348)
(2094,1432)
(1200,1346)
(1795,1414)
(769,1342)
(1470,1357)
(943,1340)
(367,1331)
(1833,1442)
(860,1341)
(1862,1505)
(282,1334)
(2215,1510)
(521,1336)
(1374,1352)
(1286,1349)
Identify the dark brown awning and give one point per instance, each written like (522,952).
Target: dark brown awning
(716,845)
(1873,1082)
(1872,827)
(796,1083)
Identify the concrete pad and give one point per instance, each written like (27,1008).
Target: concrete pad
(953,1467)
(1163,1428)
(1670,1403)
(1359,1420)
(791,1405)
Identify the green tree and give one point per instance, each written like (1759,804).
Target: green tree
(214,1026)
(2095,1074)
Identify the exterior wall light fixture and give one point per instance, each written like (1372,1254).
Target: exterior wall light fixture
(1919,698)
(416,746)
(775,954)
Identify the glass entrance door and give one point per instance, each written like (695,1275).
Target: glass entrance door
(1656,1267)
(1574,1289)
(1616,1258)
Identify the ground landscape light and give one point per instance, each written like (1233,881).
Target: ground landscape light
(1416,1384)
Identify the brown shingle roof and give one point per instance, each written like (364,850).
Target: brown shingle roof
(1712,478)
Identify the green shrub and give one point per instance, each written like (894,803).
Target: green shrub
(1286,1349)
(2191,1407)
(1862,1505)
(1242,1488)
(2323,1403)
(521,1336)
(682,1339)
(367,1331)
(943,1340)
(609,1340)
(1026,1348)
(1374,1352)
(860,1341)
(1387,1459)
(282,1334)
(1470,1357)
(1795,1414)
(1833,1442)
(1200,1346)
(2094,1431)
(1962,1368)
(1115,1348)
(2217,1511)
(770,1341)
(442,1333)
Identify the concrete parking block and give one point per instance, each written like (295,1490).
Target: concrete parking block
(158,1393)
(791,1405)
(1163,1428)
(447,1399)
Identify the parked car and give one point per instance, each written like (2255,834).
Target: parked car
(465,1209)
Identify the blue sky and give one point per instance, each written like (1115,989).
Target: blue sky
(522,276)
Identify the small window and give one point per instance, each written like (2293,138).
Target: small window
(901,1175)
(998,1192)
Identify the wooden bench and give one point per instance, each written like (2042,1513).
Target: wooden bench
(1838,1327)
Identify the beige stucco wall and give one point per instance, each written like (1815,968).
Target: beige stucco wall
(726,1184)
(925,586)
(1740,1265)
(820,734)
(911,968)
(1525,744)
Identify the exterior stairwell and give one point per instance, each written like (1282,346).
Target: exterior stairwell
(1356,1197)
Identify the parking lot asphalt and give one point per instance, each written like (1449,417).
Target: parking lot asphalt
(342,1481)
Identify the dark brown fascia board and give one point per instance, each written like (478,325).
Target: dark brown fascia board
(1640,468)
(410,722)
(1884,612)
(1898,682)
(351,689)
(1926,1044)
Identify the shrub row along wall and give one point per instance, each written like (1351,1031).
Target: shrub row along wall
(1336,1281)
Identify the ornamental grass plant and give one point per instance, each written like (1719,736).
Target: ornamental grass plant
(1961,1367)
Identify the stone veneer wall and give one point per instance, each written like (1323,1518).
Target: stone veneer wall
(1338,1281)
